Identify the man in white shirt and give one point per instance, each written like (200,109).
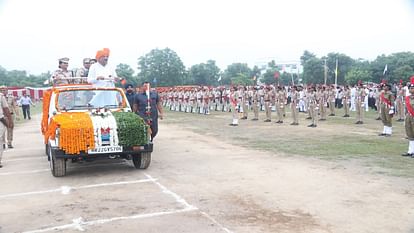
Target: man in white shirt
(25,102)
(101,74)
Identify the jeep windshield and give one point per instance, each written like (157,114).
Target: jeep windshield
(89,99)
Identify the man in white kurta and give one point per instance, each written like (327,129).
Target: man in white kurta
(102,75)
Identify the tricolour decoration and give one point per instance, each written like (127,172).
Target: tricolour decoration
(105,128)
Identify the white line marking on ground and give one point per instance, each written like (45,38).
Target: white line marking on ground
(215,222)
(66,189)
(183,202)
(171,193)
(79,223)
(23,172)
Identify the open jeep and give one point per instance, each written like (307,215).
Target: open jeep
(83,123)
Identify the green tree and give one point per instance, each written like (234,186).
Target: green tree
(403,72)
(269,76)
(125,71)
(313,71)
(237,72)
(161,68)
(356,74)
(345,63)
(205,73)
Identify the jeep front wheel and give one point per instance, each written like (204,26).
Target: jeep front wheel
(57,165)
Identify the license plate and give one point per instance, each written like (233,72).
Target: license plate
(105,149)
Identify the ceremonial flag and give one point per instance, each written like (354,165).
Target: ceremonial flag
(385,70)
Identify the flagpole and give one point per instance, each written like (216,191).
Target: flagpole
(336,73)
(326,72)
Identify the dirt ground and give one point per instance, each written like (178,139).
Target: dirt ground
(198,183)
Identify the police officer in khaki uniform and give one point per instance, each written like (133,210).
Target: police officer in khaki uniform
(409,119)
(255,104)
(83,72)
(346,100)
(400,102)
(331,100)
(234,98)
(280,104)
(387,109)
(323,102)
(5,122)
(14,112)
(58,77)
(294,105)
(313,106)
(268,104)
(360,103)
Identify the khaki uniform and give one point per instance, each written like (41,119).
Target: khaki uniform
(313,108)
(14,111)
(245,104)
(346,100)
(306,99)
(323,104)
(387,111)
(409,127)
(3,104)
(255,104)
(268,105)
(360,105)
(386,117)
(280,105)
(400,104)
(331,101)
(58,74)
(294,107)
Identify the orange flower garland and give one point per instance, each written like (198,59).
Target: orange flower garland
(45,116)
(76,132)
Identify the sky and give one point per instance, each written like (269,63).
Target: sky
(35,34)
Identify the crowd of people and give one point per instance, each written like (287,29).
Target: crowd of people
(317,101)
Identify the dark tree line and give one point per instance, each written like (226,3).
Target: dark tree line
(163,67)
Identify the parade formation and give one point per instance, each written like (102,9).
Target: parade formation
(318,102)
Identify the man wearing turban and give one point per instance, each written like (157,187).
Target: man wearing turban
(101,74)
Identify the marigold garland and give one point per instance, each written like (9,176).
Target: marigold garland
(76,132)
(45,115)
